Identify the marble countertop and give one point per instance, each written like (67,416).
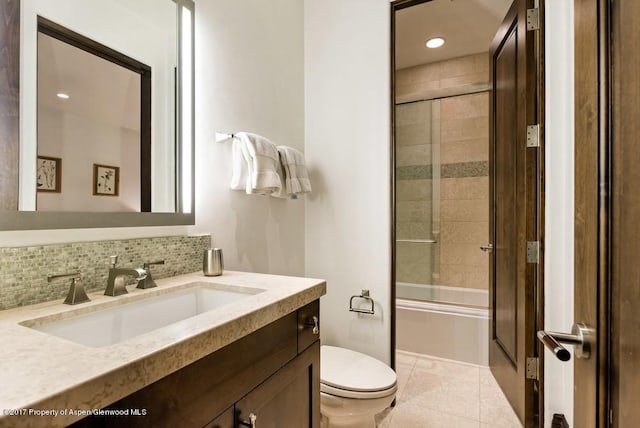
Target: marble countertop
(45,376)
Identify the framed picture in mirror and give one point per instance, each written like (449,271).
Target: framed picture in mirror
(49,173)
(106,180)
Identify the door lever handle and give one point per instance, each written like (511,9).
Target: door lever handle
(487,248)
(581,336)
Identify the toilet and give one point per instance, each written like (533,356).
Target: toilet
(353,388)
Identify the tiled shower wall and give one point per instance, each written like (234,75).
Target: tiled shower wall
(23,270)
(432,80)
(464,194)
(460,127)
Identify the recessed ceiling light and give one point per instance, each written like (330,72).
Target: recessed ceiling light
(62,95)
(436,42)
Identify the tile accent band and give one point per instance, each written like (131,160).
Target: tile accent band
(450,170)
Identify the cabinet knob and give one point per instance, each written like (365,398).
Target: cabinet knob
(251,423)
(314,322)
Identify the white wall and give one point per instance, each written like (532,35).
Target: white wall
(249,77)
(559,169)
(347,124)
(80,141)
(20,238)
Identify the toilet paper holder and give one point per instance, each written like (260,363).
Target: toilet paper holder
(365,296)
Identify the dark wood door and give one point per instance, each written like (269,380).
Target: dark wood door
(587,411)
(514,196)
(607,271)
(625,216)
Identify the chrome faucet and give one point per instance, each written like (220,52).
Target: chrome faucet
(116,281)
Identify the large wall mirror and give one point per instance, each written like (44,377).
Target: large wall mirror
(96,116)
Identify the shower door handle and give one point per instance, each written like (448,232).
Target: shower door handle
(487,248)
(418,241)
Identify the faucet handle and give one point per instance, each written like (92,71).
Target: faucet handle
(147,281)
(77,276)
(146,265)
(76,293)
(113,261)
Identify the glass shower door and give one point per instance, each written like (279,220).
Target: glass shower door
(442,200)
(417,199)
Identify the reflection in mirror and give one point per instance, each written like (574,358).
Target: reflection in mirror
(140,36)
(37,179)
(93,109)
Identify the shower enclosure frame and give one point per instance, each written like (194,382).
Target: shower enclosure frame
(394,7)
(535,180)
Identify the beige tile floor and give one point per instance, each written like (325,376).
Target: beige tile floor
(437,393)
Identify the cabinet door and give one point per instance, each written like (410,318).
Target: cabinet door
(288,399)
(225,420)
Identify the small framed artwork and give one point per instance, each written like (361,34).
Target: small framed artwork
(106,180)
(48,174)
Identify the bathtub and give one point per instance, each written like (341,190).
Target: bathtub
(456,330)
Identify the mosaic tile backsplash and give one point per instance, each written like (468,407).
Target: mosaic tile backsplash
(23,270)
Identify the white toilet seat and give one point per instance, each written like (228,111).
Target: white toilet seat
(353,388)
(350,374)
(359,395)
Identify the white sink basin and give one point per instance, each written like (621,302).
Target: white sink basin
(119,323)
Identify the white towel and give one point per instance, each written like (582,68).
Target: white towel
(295,170)
(262,176)
(240,164)
(282,193)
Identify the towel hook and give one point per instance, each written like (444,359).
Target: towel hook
(365,296)
(221,137)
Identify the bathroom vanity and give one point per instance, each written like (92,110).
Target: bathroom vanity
(253,358)
(271,376)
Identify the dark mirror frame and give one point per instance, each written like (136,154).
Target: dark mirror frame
(10,217)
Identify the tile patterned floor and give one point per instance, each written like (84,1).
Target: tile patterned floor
(437,393)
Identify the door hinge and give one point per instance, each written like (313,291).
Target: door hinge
(533,135)
(533,251)
(532,368)
(533,19)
